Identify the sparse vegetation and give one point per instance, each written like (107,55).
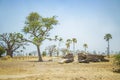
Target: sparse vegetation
(31,70)
(68,46)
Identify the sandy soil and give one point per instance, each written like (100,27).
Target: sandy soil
(33,70)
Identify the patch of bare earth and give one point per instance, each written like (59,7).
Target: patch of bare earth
(32,70)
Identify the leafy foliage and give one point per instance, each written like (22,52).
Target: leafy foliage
(107,37)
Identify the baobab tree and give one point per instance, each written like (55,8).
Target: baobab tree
(38,29)
(107,37)
(51,49)
(11,42)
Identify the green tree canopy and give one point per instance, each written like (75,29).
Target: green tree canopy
(38,29)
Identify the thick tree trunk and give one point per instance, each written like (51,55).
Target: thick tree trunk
(57,53)
(39,55)
(10,53)
(50,54)
(108,50)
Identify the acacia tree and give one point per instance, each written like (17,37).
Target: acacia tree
(11,42)
(38,29)
(107,37)
(85,46)
(74,40)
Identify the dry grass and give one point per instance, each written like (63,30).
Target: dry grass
(33,70)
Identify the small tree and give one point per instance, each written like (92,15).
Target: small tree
(44,53)
(1,51)
(38,29)
(51,49)
(11,42)
(64,51)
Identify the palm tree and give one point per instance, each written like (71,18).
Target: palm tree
(74,40)
(85,46)
(60,40)
(68,42)
(107,37)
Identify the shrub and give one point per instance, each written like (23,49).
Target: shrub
(117,63)
(2,51)
(43,53)
(117,60)
(6,57)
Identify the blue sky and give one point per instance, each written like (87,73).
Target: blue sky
(86,20)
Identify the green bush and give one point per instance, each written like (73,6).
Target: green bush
(117,60)
(117,63)
(43,53)
(2,51)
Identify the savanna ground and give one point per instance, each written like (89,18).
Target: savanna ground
(30,69)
